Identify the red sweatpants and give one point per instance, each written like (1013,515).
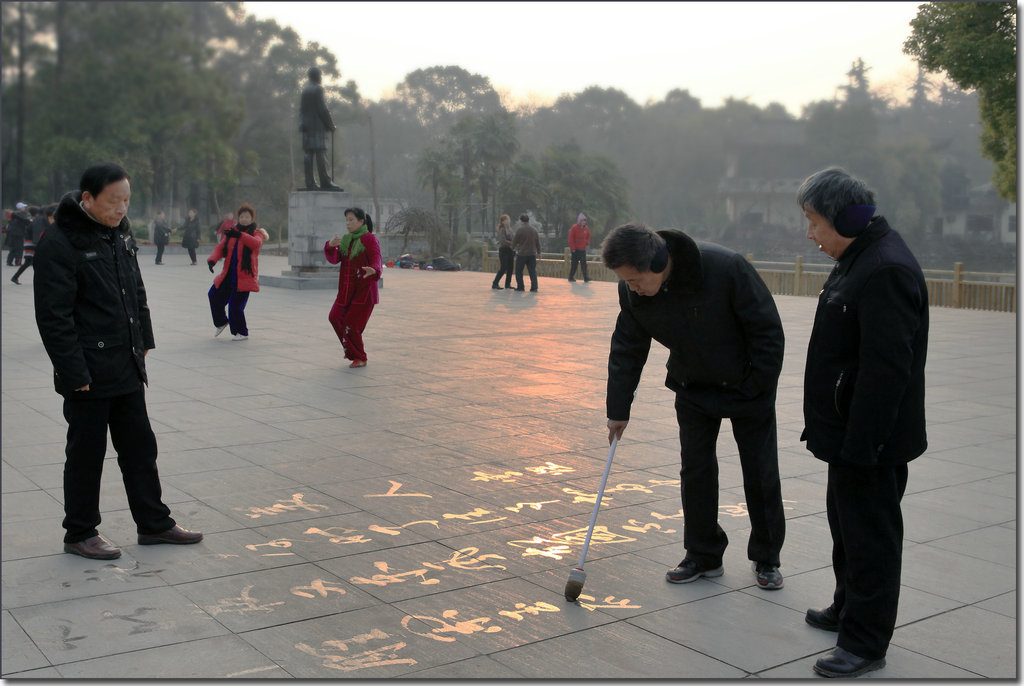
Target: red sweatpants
(349,322)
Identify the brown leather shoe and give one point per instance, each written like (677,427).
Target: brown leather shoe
(95,548)
(175,535)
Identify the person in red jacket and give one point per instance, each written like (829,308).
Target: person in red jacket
(240,248)
(358,253)
(579,241)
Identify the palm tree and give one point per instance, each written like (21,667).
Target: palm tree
(496,142)
(432,166)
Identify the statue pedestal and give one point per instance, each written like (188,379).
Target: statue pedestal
(313,219)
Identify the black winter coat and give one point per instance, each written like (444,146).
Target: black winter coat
(91,304)
(864,378)
(720,323)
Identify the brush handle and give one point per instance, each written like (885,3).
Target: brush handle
(597,504)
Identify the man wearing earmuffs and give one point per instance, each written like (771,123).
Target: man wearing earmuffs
(863,409)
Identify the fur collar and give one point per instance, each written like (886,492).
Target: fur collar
(687,273)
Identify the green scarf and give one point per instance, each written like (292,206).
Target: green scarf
(353,237)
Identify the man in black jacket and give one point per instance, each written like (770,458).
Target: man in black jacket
(94,321)
(863,409)
(713,312)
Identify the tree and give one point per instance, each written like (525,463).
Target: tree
(975,43)
(440,96)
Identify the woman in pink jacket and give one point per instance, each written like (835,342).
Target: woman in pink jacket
(240,248)
(358,253)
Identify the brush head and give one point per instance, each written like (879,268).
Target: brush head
(574,586)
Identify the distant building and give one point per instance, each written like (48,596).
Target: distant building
(985,217)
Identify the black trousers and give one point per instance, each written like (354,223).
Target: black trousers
(757,440)
(135,443)
(530,262)
(578,257)
(191,254)
(866,521)
(24,265)
(160,252)
(506,256)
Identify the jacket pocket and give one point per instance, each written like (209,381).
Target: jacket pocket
(842,392)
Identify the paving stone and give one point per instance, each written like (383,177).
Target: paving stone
(477,668)
(278,505)
(323,538)
(378,642)
(220,657)
(270,597)
(19,653)
(982,641)
(616,651)
(720,627)
(85,628)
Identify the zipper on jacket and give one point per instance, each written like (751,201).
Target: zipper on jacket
(835,394)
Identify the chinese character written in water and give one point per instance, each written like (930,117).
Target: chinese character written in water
(476,513)
(635,525)
(393,492)
(737,510)
(550,468)
(335,534)
(319,586)
(394,530)
(533,548)
(518,507)
(379,657)
(523,608)
(465,627)
(295,503)
(242,604)
(608,603)
(505,477)
(465,559)
(276,543)
(387,577)
(601,535)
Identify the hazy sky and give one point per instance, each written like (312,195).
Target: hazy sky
(787,52)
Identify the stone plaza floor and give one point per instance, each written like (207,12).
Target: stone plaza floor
(419,517)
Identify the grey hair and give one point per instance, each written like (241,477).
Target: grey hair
(830,191)
(633,245)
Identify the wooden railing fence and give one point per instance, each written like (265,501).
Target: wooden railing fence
(954,287)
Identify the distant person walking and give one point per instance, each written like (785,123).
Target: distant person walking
(506,255)
(240,250)
(42,220)
(526,243)
(579,241)
(190,234)
(161,235)
(358,254)
(17,229)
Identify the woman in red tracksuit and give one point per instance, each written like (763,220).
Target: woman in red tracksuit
(240,248)
(358,253)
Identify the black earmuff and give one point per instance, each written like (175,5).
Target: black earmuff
(853,219)
(660,259)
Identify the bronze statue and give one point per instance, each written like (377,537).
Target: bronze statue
(314,123)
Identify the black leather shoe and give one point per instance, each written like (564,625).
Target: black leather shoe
(95,548)
(843,663)
(495,286)
(175,535)
(826,619)
(691,570)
